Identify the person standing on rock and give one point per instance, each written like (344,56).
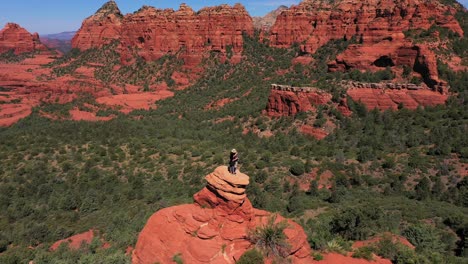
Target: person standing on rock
(233,161)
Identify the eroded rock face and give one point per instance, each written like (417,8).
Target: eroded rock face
(212,230)
(14,37)
(390,99)
(100,28)
(288,103)
(157,32)
(315,22)
(378,27)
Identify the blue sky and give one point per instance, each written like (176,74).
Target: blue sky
(54,16)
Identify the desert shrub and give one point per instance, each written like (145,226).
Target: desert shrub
(297,168)
(424,237)
(338,245)
(360,223)
(317,256)
(251,257)
(270,238)
(177,258)
(364,253)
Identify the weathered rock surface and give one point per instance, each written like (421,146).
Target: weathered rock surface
(156,32)
(390,99)
(229,186)
(14,37)
(315,22)
(100,28)
(288,101)
(212,230)
(377,25)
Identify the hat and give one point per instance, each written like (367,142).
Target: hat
(233,151)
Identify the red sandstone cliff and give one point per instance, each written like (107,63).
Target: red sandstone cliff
(213,229)
(378,25)
(157,32)
(100,28)
(14,37)
(289,103)
(315,22)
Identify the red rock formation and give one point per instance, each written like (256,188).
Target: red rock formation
(395,239)
(75,242)
(289,103)
(214,229)
(100,28)
(315,22)
(157,32)
(388,53)
(390,99)
(14,37)
(378,25)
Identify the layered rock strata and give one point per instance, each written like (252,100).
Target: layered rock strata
(156,32)
(214,229)
(315,22)
(17,39)
(285,100)
(377,25)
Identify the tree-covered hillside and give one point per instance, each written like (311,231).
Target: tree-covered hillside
(392,171)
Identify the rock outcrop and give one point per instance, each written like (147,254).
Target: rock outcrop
(378,26)
(99,29)
(75,241)
(156,32)
(17,39)
(391,99)
(214,229)
(285,100)
(315,22)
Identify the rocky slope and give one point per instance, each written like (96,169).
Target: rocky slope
(100,28)
(377,25)
(213,229)
(19,40)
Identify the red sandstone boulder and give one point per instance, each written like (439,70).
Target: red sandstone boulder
(14,37)
(212,230)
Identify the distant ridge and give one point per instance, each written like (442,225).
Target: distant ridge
(67,35)
(267,21)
